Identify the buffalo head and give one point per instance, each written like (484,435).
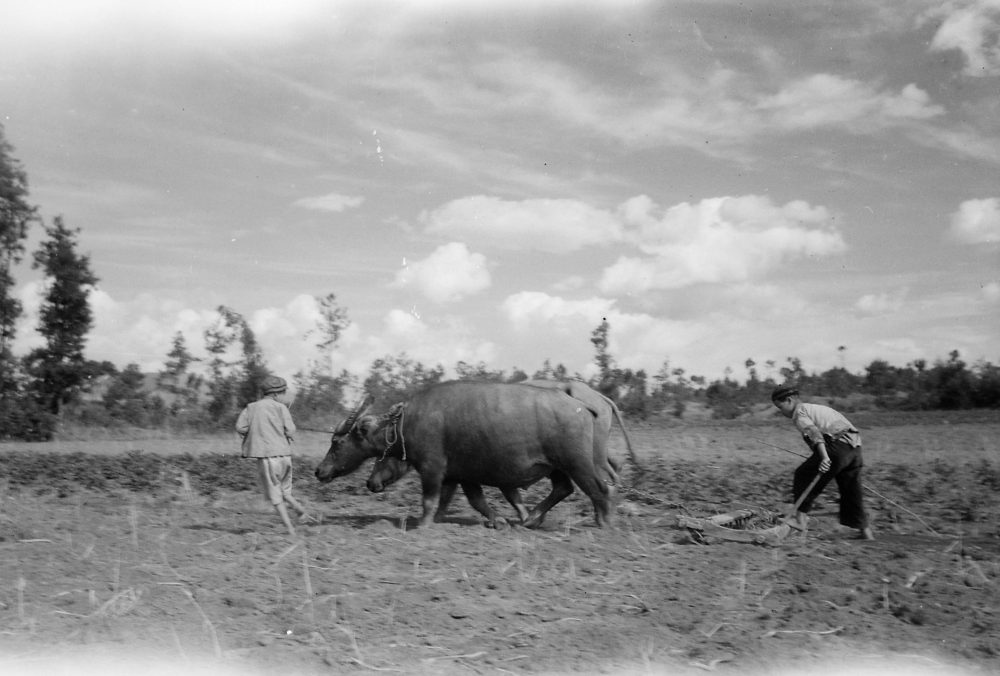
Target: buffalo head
(387,471)
(349,445)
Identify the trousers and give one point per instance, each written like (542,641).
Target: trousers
(845,467)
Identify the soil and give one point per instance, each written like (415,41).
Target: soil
(178,578)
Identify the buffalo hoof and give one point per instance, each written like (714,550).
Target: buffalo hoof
(534,521)
(499,523)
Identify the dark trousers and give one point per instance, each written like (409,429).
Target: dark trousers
(845,467)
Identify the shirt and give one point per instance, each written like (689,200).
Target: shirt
(816,420)
(267,428)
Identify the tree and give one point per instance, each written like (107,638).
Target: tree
(65,319)
(177,380)
(332,322)
(15,217)
(605,363)
(392,379)
(233,383)
(318,392)
(480,372)
(125,400)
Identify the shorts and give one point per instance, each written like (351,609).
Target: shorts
(275,475)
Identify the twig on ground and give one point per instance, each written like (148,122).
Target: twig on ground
(712,664)
(357,651)
(308,584)
(207,622)
(775,632)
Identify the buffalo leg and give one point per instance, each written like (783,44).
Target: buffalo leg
(562,487)
(444,499)
(435,498)
(600,492)
(513,496)
(474,494)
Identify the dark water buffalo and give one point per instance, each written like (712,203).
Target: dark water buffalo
(475,434)
(390,468)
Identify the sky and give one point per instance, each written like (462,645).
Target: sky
(487,181)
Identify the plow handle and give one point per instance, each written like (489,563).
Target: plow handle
(806,492)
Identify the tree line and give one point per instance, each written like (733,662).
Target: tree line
(56,384)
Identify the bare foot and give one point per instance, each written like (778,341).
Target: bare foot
(866,534)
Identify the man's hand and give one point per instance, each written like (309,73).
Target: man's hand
(824,465)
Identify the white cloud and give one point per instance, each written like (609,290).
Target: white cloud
(991,292)
(725,239)
(977,221)
(830,100)
(34,20)
(450,273)
(445,341)
(334,202)
(551,225)
(877,304)
(974,30)
(529,309)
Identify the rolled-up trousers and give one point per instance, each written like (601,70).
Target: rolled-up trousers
(845,467)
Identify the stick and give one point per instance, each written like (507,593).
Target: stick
(775,632)
(863,485)
(806,492)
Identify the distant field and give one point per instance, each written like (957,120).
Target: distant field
(897,436)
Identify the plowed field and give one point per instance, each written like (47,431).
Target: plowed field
(159,557)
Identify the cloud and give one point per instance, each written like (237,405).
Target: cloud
(445,341)
(878,304)
(991,292)
(33,20)
(528,308)
(332,202)
(974,30)
(717,240)
(550,225)
(825,100)
(977,221)
(450,273)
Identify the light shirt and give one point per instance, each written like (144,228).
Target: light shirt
(267,428)
(816,420)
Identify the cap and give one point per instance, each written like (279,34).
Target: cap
(784,392)
(273,385)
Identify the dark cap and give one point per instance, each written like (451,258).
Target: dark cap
(273,385)
(784,392)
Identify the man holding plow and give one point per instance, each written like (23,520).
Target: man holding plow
(836,454)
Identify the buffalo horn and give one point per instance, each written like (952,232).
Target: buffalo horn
(345,427)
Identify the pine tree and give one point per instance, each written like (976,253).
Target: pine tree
(15,217)
(59,368)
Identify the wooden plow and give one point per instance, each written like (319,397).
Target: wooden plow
(743,525)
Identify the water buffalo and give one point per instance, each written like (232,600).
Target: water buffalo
(389,468)
(604,410)
(475,434)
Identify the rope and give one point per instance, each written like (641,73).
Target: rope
(393,421)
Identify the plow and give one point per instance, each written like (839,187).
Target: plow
(743,525)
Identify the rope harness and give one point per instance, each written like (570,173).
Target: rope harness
(393,431)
